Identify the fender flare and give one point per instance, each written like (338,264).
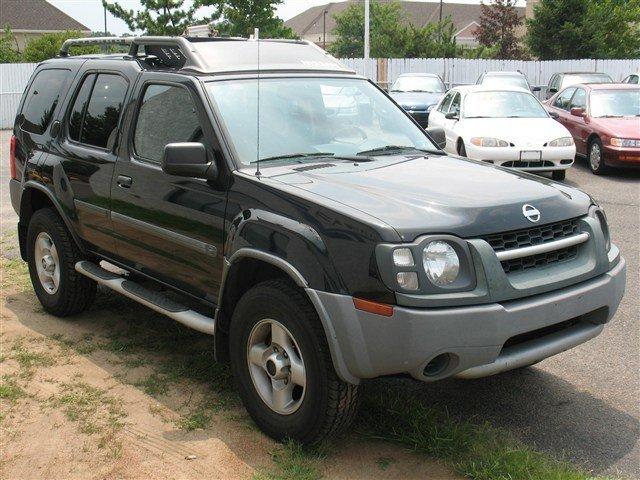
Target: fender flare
(31,184)
(293,273)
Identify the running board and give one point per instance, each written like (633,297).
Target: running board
(154,300)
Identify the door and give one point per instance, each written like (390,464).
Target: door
(169,227)
(84,156)
(450,124)
(562,103)
(577,125)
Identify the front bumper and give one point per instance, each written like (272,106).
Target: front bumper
(476,340)
(553,158)
(622,156)
(420,116)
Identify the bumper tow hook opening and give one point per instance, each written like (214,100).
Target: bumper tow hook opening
(437,365)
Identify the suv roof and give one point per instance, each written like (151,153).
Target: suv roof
(218,55)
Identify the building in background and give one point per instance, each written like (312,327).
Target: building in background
(317,23)
(29,19)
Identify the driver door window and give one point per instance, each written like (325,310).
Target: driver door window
(579,99)
(564,99)
(446,102)
(455,105)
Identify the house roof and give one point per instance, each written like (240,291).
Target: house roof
(36,15)
(417,13)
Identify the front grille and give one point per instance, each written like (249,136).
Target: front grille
(528,164)
(535,236)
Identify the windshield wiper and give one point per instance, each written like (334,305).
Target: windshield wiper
(422,91)
(294,155)
(395,148)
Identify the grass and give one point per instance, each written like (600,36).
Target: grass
(293,462)
(154,385)
(479,452)
(199,420)
(385,462)
(29,360)
(9,390)
(15,273)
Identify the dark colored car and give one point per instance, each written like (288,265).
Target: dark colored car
(296,213)
(604,120)
(418,93)
(505,79)
(560,81)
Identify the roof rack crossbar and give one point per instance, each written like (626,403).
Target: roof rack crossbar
(64,50)
(193,59)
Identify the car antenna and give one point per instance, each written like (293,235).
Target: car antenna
(256,37)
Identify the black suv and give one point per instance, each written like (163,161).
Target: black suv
(322,235)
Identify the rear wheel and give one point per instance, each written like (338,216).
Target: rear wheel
(52,255)
(559,174)
(283,369)
(596,157)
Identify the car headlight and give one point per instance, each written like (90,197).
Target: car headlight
(561,142)
(598,213)
(625,142)
(488,142)
(441,263)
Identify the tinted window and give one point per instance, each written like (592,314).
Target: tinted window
(75,117)
(100,123)
(579,99)
(42,99)
(563,100)
(167,115)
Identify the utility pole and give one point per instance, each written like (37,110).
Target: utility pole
(104,47)
(366,37)
(324,30)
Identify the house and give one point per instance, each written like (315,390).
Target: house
(30,19)
(317,23)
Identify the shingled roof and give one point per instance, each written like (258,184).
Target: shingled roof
(416,13)
(36,15)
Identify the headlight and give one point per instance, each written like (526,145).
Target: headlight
(488,142)
(625,142)
(441,263)
(561,142)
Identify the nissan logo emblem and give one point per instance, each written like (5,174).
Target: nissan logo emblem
(531,213)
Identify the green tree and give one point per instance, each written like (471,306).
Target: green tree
(434,40)
(585,29)
(48,46)
(8,52)
(240,17)
(157,17)
(498,23)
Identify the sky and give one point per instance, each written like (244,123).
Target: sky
(91,13)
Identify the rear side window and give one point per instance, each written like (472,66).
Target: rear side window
(42,98)
(96,110)
(167,115)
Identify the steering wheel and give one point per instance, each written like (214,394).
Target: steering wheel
(348,132)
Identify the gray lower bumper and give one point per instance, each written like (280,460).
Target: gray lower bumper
(472,338)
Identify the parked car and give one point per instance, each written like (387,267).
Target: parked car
(506,126)
(318,250)
(505,79)
(418,93)
(560,81)
(632,78)
(604,121)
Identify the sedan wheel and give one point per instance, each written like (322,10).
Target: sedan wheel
(596,161)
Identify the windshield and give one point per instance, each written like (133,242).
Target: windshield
(493,81)
(615,103)
(585,78)
(300,117)
(503,105)
(418,84)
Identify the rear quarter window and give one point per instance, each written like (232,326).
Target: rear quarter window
(42,99)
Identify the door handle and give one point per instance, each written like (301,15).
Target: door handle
(124,181)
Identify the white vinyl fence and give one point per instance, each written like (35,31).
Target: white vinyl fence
(454,71)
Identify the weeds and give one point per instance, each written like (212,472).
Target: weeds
(293,462)
(9,390)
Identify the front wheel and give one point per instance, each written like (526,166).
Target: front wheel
(559,175)
(596,157)
(283,369)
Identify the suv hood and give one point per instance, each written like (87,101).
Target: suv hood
(436,194)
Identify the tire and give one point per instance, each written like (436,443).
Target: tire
(598,167)
(71,293)
(326,406)
(462,151)
(559,175)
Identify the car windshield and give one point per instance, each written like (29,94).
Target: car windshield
(615,103)
(418,84)
(300,118)
(505,104)
(493,81)
(585,78)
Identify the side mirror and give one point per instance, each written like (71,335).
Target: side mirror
(187,159)
(438,136)
(535,89)
(553,115)
(578,112)
(451,116)
(553,90)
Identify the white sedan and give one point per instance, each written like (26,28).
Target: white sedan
(506,126)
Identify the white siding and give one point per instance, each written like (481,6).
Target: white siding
(13,80)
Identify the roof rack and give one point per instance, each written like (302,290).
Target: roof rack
(64,50)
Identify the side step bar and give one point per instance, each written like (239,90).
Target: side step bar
(154,300)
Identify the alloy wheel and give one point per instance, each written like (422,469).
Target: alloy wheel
(47,263)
